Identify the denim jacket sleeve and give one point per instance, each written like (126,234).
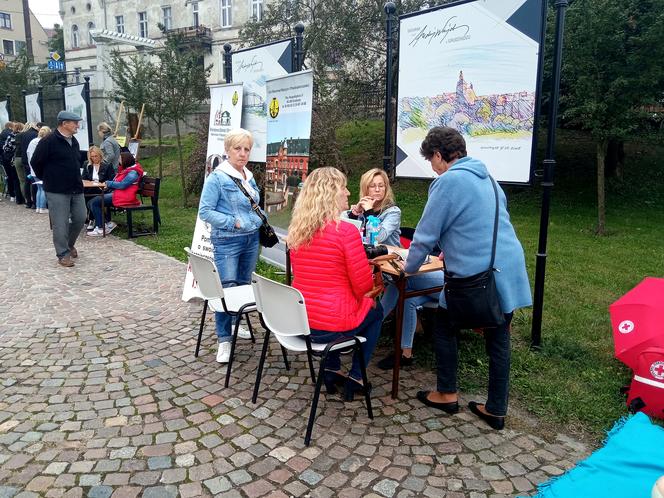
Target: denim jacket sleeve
(131,178)
(389,224)
(212,193)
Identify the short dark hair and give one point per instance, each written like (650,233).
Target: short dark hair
(127,159)
(445,140)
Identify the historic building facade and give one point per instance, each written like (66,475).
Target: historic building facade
(13,33)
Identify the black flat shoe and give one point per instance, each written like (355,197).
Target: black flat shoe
(387,363)
(450,408)
(352,386)
(494,422)
(332,380)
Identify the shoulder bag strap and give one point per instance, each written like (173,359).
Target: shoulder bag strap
(254,206)
(495,219)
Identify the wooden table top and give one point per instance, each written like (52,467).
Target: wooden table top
(393,264)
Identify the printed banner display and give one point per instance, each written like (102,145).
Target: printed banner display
(253,67)
(472,66)
(4,113)
(32,110)
(225,115)
(289,101)
(75,103)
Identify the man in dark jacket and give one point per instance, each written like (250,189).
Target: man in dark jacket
(57,162)
(9,128)
(23,139)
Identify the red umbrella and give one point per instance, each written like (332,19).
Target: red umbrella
(638,320)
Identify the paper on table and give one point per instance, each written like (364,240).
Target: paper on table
(403,254)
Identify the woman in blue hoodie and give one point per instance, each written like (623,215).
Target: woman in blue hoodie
(459,216)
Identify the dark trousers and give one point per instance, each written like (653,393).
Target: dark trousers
(369,328)
(446,343)
(12,179)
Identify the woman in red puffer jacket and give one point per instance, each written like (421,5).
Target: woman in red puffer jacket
(332,272)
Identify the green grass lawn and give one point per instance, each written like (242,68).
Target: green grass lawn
(574,380)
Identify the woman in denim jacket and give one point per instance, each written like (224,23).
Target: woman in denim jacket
(234,225)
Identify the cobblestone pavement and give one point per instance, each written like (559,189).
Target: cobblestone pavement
(101,396)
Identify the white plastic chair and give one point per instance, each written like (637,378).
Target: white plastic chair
(236,301)
(282,312)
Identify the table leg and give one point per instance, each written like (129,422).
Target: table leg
(401,287)
(103,216)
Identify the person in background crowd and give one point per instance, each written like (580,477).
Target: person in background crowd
(40,197)
(23,140)
(234,225)
(124,186)
(331,270)
(459,216)
(110,148)
(56,161)
(10,173)
(8,152)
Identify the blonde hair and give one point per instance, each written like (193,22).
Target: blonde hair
(236,136)
(316,205)
(43,131)
(96,149)
(104,127)
(366,180)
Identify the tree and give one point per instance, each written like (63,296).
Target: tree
(14,77)
(57,42)
(183,77)
(611,68)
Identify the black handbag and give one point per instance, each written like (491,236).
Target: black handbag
(266,235)
(472,302)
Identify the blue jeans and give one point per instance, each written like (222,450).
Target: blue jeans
(236,259)
(41,197)
(391,295)
(369,328)
(446,343)
(95,207)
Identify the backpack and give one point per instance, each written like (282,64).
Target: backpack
(9,147)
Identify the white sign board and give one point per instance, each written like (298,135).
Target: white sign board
(254,66)
(225,115)
(472,66)
(75,103)
(32,109)
(4,114)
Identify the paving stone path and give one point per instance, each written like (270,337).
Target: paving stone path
(101,396)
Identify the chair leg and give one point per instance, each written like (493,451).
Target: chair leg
(200,329)
(130,224)
(155,227)
(314,402)
(261,362)
(367,392)
(285,355)
(251,329)
(311,368)
(230,360)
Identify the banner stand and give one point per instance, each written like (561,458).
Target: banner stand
(88,110)
(9,106)
(390,9)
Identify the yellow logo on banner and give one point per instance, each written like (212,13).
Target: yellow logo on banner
(235,98)
(274,108)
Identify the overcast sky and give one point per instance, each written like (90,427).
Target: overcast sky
(46,11)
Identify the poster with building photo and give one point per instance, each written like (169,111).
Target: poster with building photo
(75,103)
(253,67)
(225,115)
(473,66)
(289,101)
(32,109)
(4,113)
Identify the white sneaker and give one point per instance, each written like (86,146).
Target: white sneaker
(12,199)
(243,332)
(38,210)
(44,211)
(97,232)
(91,225)
(110,226)
(224,352)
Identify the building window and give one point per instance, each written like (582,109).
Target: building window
(19,46)
(256,12)
(88,6)
(75,37)
(225,6)
(8,47)
(194,10)
(119,24)
(168,17)
(143,24)
(5,20)
(91,27)
(73,10)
